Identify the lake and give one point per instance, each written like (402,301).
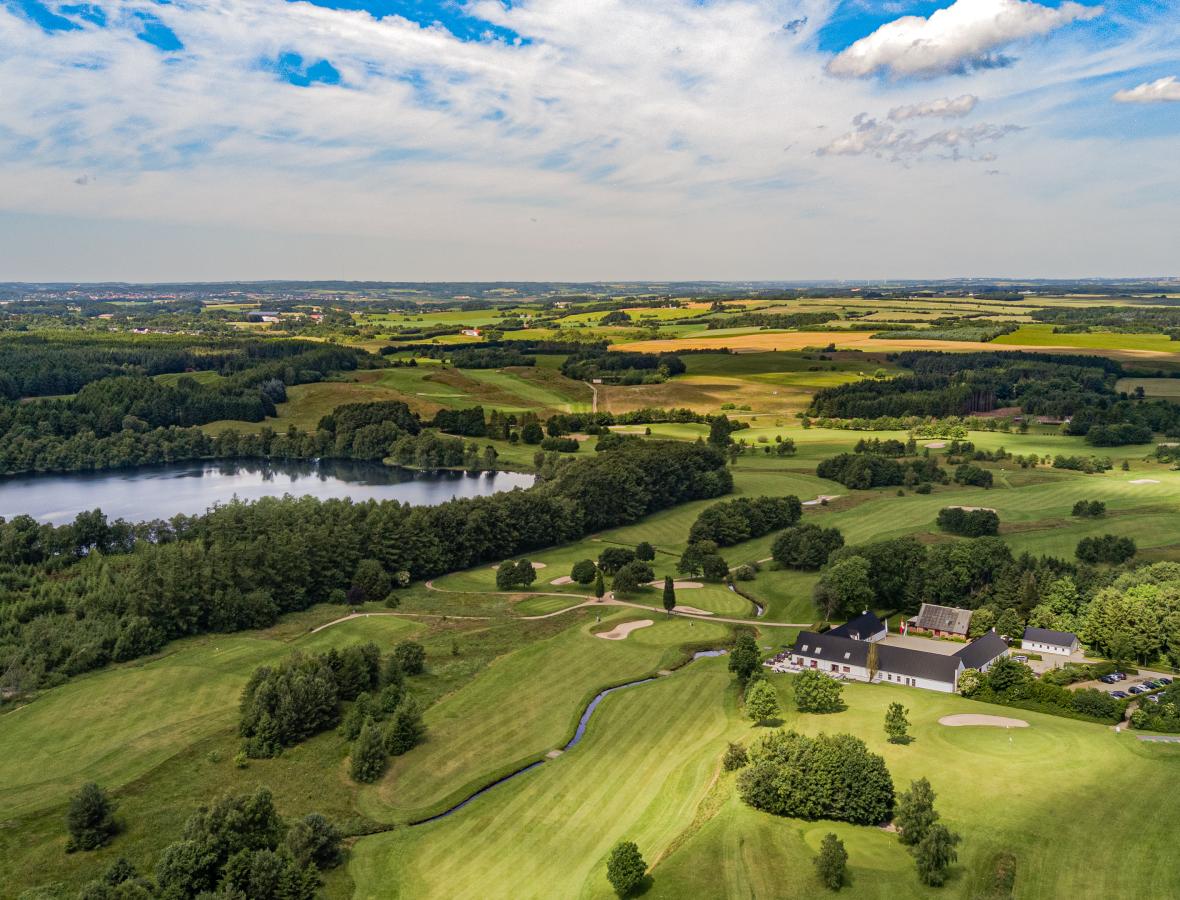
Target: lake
(160,492)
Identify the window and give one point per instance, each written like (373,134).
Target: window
(848,654)
(804,648)
(846,669)
(835,668)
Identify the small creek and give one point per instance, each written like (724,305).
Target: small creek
(579,733)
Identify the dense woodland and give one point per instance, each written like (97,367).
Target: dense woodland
(79,596)
(1081,388)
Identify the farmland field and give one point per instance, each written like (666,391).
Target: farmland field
(508,674)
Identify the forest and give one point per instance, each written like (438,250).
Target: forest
(79,596)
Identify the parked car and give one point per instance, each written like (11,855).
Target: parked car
(1118,676)
(1021,659)
(1137,689)
(1108,679)
(1122,695)
(1154,698)
(1164,679)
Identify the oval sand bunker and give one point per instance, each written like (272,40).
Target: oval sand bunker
(619,632)
(976,719)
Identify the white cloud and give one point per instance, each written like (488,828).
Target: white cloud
(942,108)
(887,141)
(647,138)
(964,36)
(1159,91)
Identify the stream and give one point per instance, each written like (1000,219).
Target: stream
(579,733)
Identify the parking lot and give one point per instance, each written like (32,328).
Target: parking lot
(1124,686)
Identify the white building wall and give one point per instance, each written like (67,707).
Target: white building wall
(1039,647)
(860,673)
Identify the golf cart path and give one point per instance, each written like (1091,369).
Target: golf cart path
(608,600)
(365,615)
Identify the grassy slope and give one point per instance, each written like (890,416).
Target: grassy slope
(522,706)
(652,751)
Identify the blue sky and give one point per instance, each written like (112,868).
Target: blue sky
(576,139)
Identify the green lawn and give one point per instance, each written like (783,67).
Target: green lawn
(1054,794)
(119,723)
(522,706)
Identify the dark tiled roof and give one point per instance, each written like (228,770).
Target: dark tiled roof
(942,618)
(832,647)
(1048,636)
(896,660)
(861,628)
(982,650)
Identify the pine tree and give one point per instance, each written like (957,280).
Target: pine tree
(669,594)
(368,754)
(406,729)
(831,862)
(896,724)
(599,585)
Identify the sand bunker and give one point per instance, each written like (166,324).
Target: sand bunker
(693,610)
(820,499)
(620,632)
(972,508)
(935,445)
(564,579)
(977,719)
(679,585)
(1144,481)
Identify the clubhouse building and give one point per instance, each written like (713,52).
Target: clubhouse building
(1045,640)
(842,655)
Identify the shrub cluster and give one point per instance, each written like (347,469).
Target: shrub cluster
(733,521)
(821,777)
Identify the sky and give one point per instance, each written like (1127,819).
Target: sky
(152,140)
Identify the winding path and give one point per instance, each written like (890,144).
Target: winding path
(608,600)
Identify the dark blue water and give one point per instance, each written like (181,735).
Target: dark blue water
(160,492)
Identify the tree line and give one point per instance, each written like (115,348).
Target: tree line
(79,596)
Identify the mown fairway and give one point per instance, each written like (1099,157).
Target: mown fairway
(645,771)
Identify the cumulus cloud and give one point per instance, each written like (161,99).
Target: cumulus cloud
(1158,91)
(942,108)
(967,35)
(887,141)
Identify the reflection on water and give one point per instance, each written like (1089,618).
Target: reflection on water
(160,492)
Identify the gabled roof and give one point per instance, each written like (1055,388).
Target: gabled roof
(861,628)
(1048,636)
(982,651)
(844,651)
(942,618)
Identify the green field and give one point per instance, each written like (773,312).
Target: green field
(1083,808)
(1042,335)
(647,770)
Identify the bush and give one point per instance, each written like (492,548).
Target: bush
(369,756)
(973,475)
(411,657)
(735,757)
(969,522)
(513,574)
(632,576)
(645,551)
(831,862)
(560,444)
(611,559)
(583,571)
(806,546)
(625,869)
(90,819)
(817,693)
(1109,548)
(821,777)
(1089,509)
